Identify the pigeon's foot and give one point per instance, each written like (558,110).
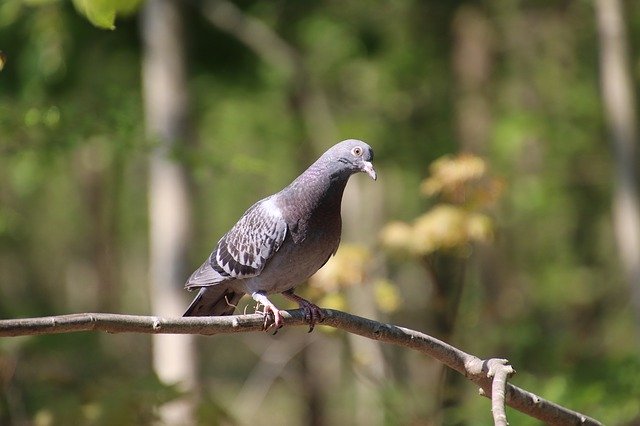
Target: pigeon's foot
(269,311)
(312,313)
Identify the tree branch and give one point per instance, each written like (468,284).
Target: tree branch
(490,374)
(500,370)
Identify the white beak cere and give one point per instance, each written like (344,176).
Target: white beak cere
(368,168)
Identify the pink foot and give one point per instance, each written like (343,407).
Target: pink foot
(277,321)
(269,308)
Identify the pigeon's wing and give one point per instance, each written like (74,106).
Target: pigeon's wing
(204,276)
(244,251)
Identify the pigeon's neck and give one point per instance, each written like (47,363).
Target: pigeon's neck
(319,187)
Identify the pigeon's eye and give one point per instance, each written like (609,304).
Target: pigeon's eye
(357,151)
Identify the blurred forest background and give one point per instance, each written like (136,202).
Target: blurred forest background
(504,219)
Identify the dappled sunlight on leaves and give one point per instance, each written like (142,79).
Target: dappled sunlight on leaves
(521,265)
(464,184)
(347,268)
(397,235)
(333,301)
(350,267)
(388,298)
(462,179)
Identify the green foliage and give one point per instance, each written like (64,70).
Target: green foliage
(102,13)
(542,284)
(72,386)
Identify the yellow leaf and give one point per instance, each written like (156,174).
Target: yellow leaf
(443,227)
(479,227)
(449,174)
(334,301)
(397,236)
(348,267)
(387,296)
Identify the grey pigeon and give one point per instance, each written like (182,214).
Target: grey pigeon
(281,240)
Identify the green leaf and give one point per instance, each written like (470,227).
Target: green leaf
(102,13)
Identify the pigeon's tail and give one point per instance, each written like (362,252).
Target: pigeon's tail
(214,300)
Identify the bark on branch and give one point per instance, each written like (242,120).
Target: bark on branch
(500,370)
(489,374)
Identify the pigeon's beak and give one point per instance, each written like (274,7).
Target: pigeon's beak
(368,168)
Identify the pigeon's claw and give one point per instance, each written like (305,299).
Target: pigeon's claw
(272,315)
(312,313)
(272,318)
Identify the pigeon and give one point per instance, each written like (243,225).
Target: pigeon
(281,240)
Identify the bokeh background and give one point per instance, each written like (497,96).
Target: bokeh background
(503,221)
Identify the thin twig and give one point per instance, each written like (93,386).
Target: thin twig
(499,371)
(472,367)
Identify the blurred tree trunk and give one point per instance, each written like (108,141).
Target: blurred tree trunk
(620,113)
(165,99)
(471,64)
(362,213)
(101,190)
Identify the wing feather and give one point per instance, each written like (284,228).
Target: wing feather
(244,251)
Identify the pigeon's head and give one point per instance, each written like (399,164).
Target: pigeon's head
(354,156)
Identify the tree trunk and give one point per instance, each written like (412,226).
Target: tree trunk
(362,212)
(472,63)
(619,109)
(165,99)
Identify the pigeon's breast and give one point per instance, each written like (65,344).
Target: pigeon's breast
(296,262)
